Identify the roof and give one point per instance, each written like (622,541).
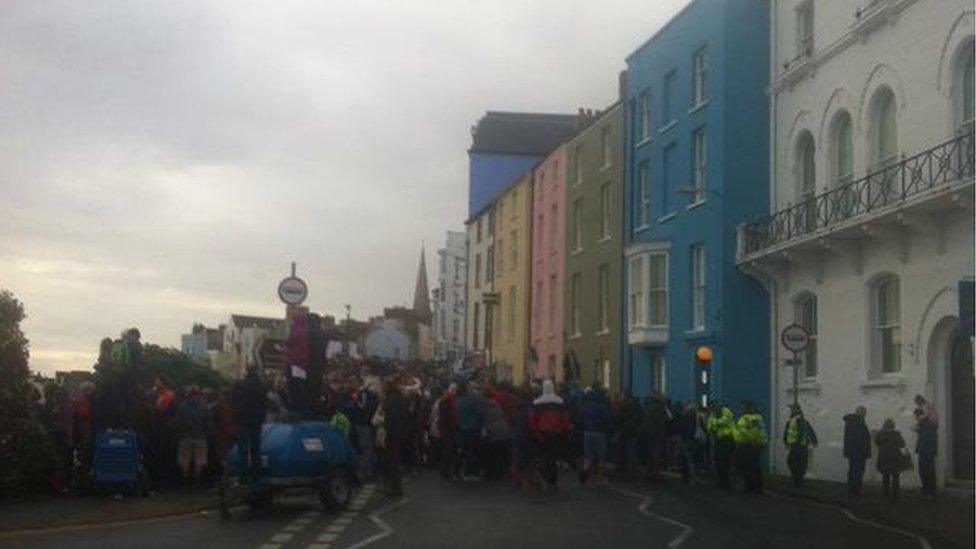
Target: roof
(266,323)
(534,134)
(650,39)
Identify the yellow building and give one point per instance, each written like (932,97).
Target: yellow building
(512,266)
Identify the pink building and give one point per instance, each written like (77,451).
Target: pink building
(548,263)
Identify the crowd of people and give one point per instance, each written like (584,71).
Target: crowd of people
(403,415)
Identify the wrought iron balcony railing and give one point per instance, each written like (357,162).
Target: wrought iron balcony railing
(896,182)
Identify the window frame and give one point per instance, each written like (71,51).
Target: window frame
(643,195)
(577,225)
(603,298)
(699,84)
(644,115)
(699,163)
(880,326)
(800,311)
(578,164)
(606,213)
(667,104)
(576,296)
(661,292)
(699,284)
(805,29)
(606,147)
(659,373)
(636,311)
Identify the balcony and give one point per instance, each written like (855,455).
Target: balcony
(922,185)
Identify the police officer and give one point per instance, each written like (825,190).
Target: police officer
(798,437)
(750,438)
(721,427)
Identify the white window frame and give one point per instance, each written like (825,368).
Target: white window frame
(699,155)
(843,149)
(576,297)
(603,297)
(636,310)
(668,104)
(644,194)
(805,21)
(657,292)
(881,157)
(700,84)
(810,355)
(644,115)
(606,147)
(880,326)
(578,165)
(578,225)
(659,374)
(699,264)
(605,211)
(512,305)
(964,89)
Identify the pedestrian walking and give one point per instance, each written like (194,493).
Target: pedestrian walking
(395,423)
(498,440)
(926,447)
(857,449)
(552,427)
(721,427)
(751,439)
(891,457)
(470,424)
(596,425)
(691,432)
(249,404)
(798,436)
(194,424)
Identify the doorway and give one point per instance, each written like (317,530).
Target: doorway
(962,391)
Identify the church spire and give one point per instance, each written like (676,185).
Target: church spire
(421,294)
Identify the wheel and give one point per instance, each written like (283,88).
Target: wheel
(336,491)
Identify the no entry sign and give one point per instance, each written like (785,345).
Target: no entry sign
(795,338)
(293,290)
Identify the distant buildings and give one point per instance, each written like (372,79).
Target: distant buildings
(449,298)
(244,337)
(202,343)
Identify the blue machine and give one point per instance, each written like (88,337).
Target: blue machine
(116,464)
(301,454)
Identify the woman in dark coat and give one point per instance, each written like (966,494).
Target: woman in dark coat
(890,444)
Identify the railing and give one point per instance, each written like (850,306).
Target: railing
(900,180)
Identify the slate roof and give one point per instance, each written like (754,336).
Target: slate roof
(534,134)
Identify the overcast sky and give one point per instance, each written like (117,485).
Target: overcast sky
(161,163)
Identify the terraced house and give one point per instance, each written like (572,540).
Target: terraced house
(869,241)
(548,264)
(593,240)
(513,241)
(697,166)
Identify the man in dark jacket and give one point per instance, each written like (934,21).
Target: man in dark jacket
(396,425)
(798,436)
(925,447)
(857,449)
(249,402)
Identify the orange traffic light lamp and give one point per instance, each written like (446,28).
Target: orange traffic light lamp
(703,354)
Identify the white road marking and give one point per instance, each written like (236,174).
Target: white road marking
(385,529)
(282,538)
(270,546)
(318,546)
(644,508)
(846,512)
(328,537)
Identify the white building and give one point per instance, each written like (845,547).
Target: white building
(243,336)
(871,230)
(480,299)
(449,297)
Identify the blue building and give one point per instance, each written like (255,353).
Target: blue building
(505,145)
(696,166)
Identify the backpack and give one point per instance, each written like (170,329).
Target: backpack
(120,353)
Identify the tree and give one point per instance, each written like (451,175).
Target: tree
(14,373)
(178,369)
(27,451)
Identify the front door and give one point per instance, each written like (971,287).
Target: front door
(963,393)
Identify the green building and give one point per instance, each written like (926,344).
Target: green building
(594,204)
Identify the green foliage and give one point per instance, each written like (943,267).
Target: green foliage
(178,369)
(14,389)
(29,456)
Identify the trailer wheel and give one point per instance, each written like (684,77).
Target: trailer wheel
(336,491)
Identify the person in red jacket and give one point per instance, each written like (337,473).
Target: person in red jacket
(551,425)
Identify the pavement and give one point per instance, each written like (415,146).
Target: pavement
(948,520)
(435,514)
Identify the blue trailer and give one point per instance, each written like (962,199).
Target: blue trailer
(304,454)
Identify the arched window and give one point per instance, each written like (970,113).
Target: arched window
(843,150)
(805,314)
(806,184)
(806,168)
(884,129)
(886,325)
(965,89)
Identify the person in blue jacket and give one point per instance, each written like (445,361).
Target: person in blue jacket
(596,420)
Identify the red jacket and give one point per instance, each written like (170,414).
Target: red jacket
(550,418)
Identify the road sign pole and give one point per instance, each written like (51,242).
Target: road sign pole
(796,367)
